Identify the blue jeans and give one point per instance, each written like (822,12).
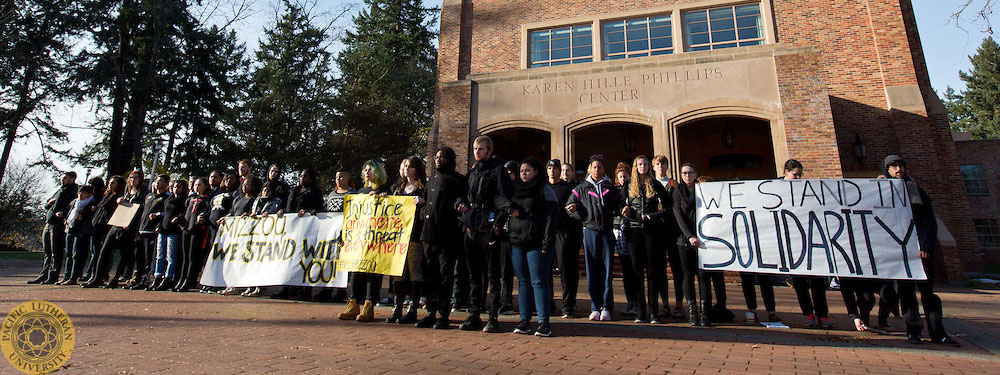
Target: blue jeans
(534,272)
(598,249)
(77,246)
(167,247)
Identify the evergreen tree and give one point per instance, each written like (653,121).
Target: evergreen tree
(387,84)
(977,109)
(35,45)
(285,119)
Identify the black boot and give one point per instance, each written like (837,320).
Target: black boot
(182,286)
(165,284)
(427,321)
(38,280)
(397,310)
(704,316)
(693,314)
(155,284)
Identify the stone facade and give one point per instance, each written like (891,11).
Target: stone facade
(828,73)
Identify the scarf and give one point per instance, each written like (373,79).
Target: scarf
(913,191)
(527,189)
(71,219)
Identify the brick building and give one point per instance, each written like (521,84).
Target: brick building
(979,162)
(734,86)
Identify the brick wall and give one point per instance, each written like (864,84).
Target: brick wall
(987,154)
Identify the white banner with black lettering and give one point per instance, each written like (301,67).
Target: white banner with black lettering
(851,228)
(265,251)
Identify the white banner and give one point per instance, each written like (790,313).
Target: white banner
(850,228)
(290,250)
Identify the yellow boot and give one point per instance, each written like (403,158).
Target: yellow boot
(351,312)
(367,312)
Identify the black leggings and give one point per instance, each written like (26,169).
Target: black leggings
(195,251)
(439,276)
(816,303)
(648,260)
(859,297)
(766,290)
(676,271)
(365,286)
(689,264)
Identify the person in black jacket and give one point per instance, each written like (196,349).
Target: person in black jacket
(809,290)
(103,211)
(120,239)
(364,285)
(54,233)
(926,231)
(441,235)
(79,228)
(215,182)
(145,251)
(568,238)
(486,179)
(412,179)
(595,203)
(684,208)
(533,210)
(645,204)
(306,198)
(168,239)
(334,202)
(243,206)
(195,235)
(281,188)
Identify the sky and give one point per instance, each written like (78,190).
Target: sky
(946,50)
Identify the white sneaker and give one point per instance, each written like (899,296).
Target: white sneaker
(605,315)
(595,315)
(749,317)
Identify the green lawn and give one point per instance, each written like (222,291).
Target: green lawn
(21,255)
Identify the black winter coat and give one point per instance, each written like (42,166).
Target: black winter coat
(538,214)
(596,207)
(685,209)
(444,192)
(310,200)
(59,202)
(563,190)
(105,209)
(657,207)
(486,180)
(173,208)
(197,205)
(153,204)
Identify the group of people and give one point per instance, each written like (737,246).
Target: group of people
(471,235)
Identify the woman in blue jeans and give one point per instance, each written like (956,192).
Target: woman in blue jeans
(168,240)
(532,210)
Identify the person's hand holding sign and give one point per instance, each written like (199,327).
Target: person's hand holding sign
(924,255)
(694,242)
(418,201)
(302,212)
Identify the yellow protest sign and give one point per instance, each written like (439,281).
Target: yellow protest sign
(376,233)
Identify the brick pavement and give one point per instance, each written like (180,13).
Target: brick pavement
(137,332)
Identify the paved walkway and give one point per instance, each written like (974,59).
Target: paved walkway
(138,332)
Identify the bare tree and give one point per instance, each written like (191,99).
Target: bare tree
(975,12)
(20,207)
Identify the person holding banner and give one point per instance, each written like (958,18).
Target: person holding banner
(441,235)
(243,206)
(280,187)
(594,203)
(810,290)
(412,179)
(366,285)
(645,203)
(102,214)
(168,240)
(685,210)
(121,239)
(533,210)
(926,231)
(334,202)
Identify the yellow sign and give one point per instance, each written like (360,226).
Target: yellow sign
(376,233)
(37,337)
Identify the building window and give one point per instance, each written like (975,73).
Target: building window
(638,37)
(562,46)
(975,180)
(987,232)
(725,27)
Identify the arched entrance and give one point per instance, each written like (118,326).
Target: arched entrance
(728,148)
(520,143)
(617,141)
